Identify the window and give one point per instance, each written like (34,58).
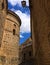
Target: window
(24,56)
(29,53)
(0,44)
(2,5)
(49,37)
(14,31)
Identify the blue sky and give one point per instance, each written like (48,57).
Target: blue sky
(24,14)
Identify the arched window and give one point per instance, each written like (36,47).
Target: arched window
(14,31)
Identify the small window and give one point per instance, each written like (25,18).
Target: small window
(14,31)
(2,5)
(0,44)
(29,53)
(24,56)
(49,37)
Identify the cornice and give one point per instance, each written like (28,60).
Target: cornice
(15,15)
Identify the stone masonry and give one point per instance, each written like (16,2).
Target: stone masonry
(40,18)
(9,35)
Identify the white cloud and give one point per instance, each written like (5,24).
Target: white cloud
(12,9)
(14,2)
(25,26)
(21,36)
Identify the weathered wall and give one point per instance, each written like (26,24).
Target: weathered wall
(9,39)
(26,53)
(41,30)
(2,19)
(10,42)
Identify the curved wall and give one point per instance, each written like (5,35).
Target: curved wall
(10,40)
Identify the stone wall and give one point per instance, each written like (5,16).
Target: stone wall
(26,53)
(2,19)
(41,30)
(10,40)
(9,36)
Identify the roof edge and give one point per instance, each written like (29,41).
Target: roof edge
(11,12)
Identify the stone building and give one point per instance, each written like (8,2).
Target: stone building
(40,19)
(26,53)
(9,30)
(9,35)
